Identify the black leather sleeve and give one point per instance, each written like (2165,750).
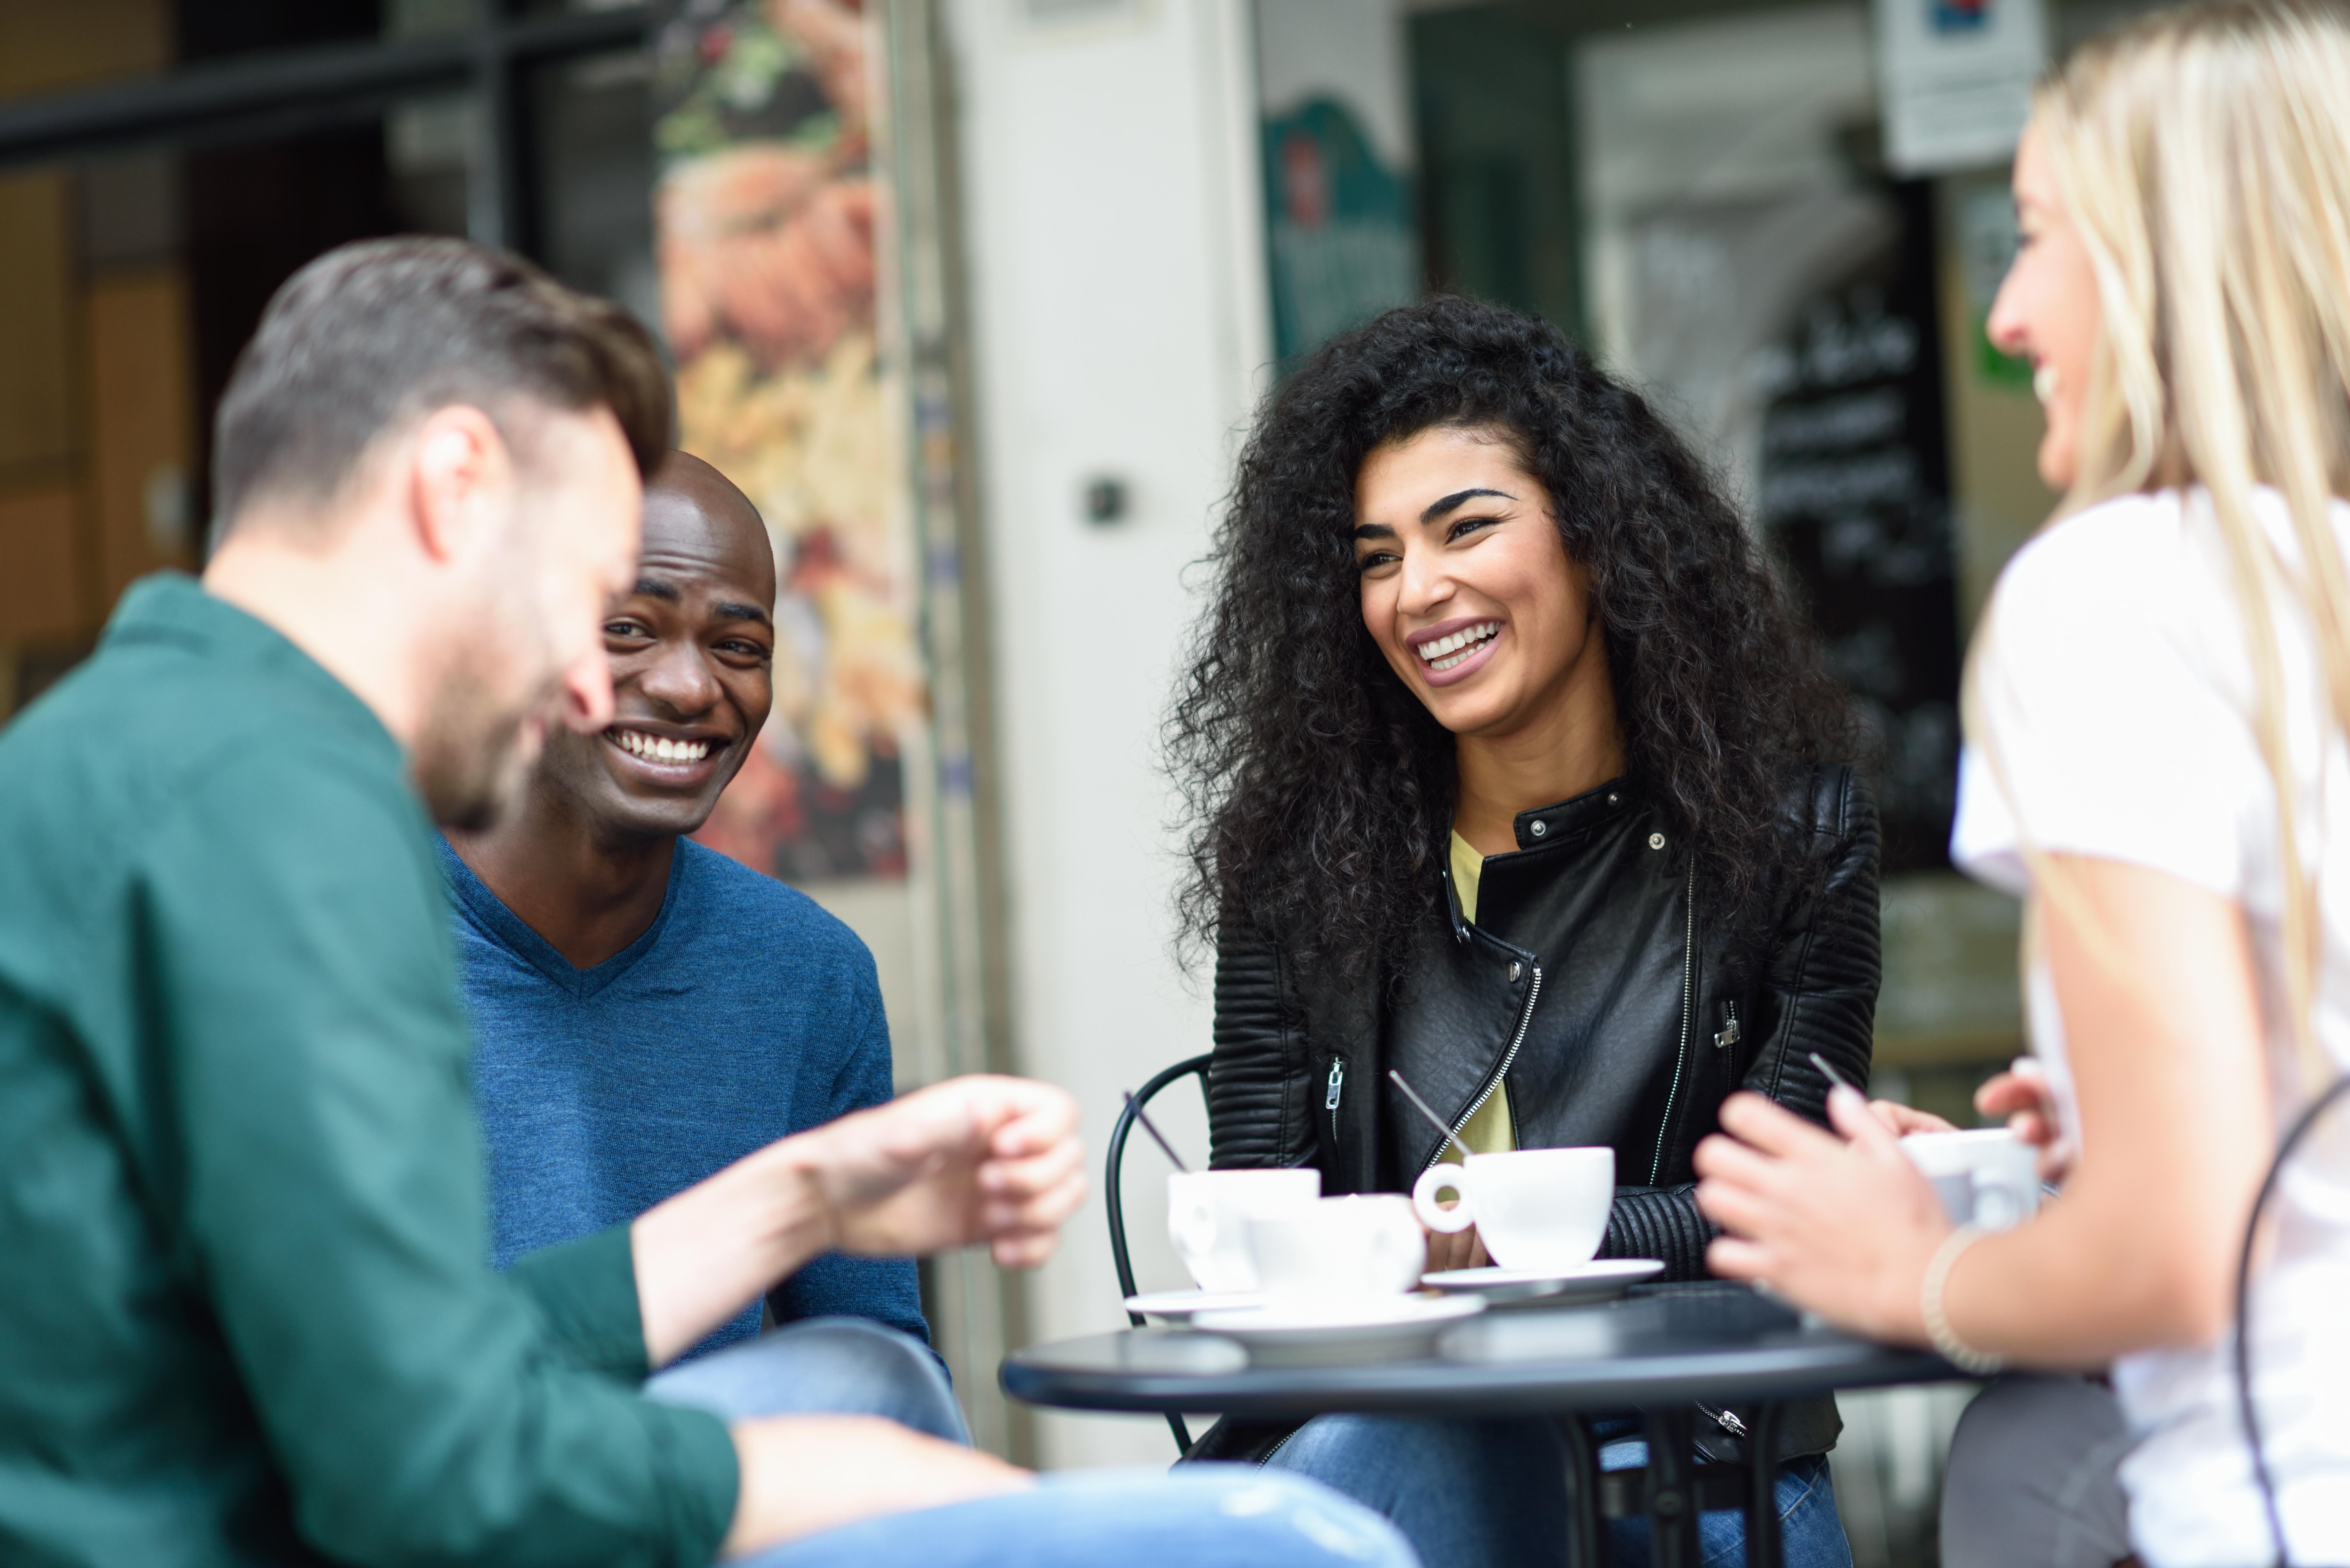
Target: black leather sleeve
(1257,1084)
(1819,993)
(1660,1223)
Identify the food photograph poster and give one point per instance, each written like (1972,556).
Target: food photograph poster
(767,211)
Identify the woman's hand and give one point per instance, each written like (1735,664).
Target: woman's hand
(1902,1120)
(1843,1226)
(1455,1249)
(2023,1096)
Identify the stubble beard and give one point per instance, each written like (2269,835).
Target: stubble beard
(474,751)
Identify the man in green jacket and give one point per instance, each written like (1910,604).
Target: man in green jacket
(246,1314)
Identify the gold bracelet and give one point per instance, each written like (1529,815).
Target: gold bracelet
(1945,1342)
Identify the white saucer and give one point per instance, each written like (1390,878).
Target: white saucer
(1176,1306)
(1599,1281)
(1325,1334)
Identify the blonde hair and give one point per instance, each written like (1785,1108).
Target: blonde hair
(2203,154)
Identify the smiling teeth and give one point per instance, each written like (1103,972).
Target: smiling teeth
(653,749)
(1447,651)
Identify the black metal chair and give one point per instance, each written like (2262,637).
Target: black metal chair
(1114,1198)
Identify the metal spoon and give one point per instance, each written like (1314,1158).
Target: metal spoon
(1830,1074)
(1156,1136)
(1421,1106)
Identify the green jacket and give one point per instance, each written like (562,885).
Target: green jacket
(246,1313)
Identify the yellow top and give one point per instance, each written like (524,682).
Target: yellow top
(1491,1130)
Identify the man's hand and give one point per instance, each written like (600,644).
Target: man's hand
(801,1474)
(974,1160)
(971,1161)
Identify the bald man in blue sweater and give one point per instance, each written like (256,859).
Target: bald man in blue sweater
(646,1010)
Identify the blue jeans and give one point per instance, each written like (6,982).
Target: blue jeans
(1492,1494)
(1231,1516)
(820,1365)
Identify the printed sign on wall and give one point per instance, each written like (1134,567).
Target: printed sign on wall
(1955,77)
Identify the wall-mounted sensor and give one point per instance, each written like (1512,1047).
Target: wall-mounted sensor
(1107,500)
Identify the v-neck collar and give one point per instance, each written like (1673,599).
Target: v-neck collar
(489,912)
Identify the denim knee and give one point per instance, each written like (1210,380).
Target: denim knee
(1487,1493)
(1227,1516)
(1235,1516)
(825,1366)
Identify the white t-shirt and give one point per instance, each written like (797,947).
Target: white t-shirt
(2119,698)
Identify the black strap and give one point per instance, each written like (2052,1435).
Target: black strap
(2301,1126)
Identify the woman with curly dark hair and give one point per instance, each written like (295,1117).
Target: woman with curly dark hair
(1512,769)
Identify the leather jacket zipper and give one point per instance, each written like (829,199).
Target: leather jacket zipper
(1681,1061)
(1331,1092)
(1526,1018)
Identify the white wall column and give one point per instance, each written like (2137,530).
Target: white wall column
(1116,283)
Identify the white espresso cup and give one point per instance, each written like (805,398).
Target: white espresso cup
(1208,1213)
(1536,1208)
(1339,1249)
(1986,1176)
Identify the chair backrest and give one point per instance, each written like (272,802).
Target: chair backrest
(1114,1198)
(1114,1177)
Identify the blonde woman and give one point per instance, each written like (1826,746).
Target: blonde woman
(2157,709)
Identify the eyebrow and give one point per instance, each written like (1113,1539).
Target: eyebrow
(1436,509)
(1459,497)
(725,609)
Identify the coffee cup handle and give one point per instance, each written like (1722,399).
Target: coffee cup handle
(1433,1180)
(1998,1205)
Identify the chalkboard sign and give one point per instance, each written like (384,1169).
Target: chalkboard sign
(1855,494)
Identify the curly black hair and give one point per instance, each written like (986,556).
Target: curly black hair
(1318,790)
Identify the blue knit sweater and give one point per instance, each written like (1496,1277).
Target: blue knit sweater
(744,1015)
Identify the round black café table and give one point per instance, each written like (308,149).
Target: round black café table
(1658,1350)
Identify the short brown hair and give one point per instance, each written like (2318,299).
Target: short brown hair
(372,333)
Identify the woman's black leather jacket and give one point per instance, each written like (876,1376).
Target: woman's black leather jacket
(1597,981)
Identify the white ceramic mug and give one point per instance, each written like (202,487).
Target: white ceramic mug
(1536,1208)
(1208,1213)
(1338,1248)
(1985,1176)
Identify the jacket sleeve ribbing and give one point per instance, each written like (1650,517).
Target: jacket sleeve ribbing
(1660,1223)
(1821,986)
(1254,1117)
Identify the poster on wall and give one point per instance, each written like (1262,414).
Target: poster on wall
(766,213)
(1334,112)
(1339,227)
